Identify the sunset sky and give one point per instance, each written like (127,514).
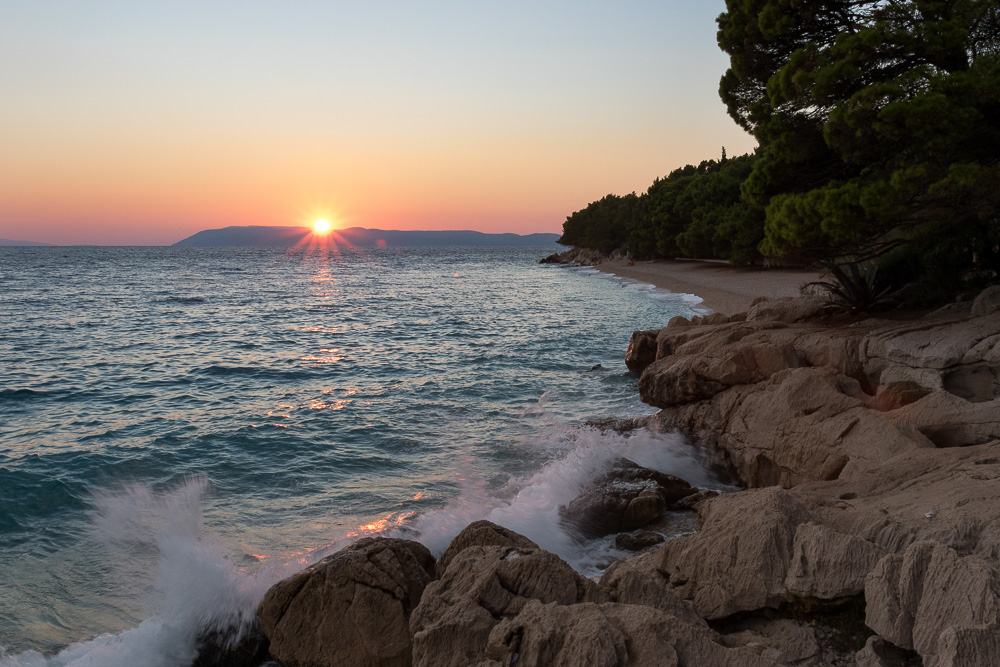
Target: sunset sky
(143,123)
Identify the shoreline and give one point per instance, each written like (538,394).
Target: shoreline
(847,546)
(722,288)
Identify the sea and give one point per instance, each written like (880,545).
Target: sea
(182,427)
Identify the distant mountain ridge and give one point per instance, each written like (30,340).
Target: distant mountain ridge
(12,242)
(271,236)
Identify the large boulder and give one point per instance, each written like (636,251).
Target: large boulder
(987,303)
(480,586)
(740,558)
(627,497)
(482,534)
(351,608)
(706,366)
(641,351)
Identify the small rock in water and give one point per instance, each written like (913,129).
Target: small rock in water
(597,367)
(627,497)
(639,541)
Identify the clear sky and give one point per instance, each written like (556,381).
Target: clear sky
(126,122)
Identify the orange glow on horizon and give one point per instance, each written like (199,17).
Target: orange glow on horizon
(321,226)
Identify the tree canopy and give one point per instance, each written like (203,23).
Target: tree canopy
(878,122)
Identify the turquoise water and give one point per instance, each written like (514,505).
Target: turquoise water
(179,427)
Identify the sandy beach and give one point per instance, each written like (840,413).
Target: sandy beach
(723,288)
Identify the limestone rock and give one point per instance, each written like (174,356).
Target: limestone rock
(481,534)
(948,420)
(578,635)
(895,395)
(610,635)
(641,351)
(947,496)
(687,377)
(880,653)
(943,606)
(987,303)
(925,351)
(627,497)
(481,585)
(351,608)
(802,424)
(739,560)
(828,565)
(788,309)
(638,581)
(796,642)
(690,502)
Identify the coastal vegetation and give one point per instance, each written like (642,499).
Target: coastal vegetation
(878,130)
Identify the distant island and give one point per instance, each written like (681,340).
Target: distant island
(279,237)
(12,242)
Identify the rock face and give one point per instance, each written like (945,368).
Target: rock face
(872,450)
(351,608)
(627,497)
(723,571)
(785,402)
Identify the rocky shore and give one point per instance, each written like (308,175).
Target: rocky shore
(868,532)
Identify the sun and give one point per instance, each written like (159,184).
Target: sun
(321,226)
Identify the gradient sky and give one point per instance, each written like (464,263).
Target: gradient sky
(142,123)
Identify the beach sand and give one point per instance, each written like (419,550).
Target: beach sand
(723,288)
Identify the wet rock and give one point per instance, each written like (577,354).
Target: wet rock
(481,534)
(643,539)
(625,498)
(788,403)
(620,425)
(234,645)
(641,350)
(691,501)
(351,608)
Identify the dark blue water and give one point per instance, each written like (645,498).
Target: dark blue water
(181,426)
